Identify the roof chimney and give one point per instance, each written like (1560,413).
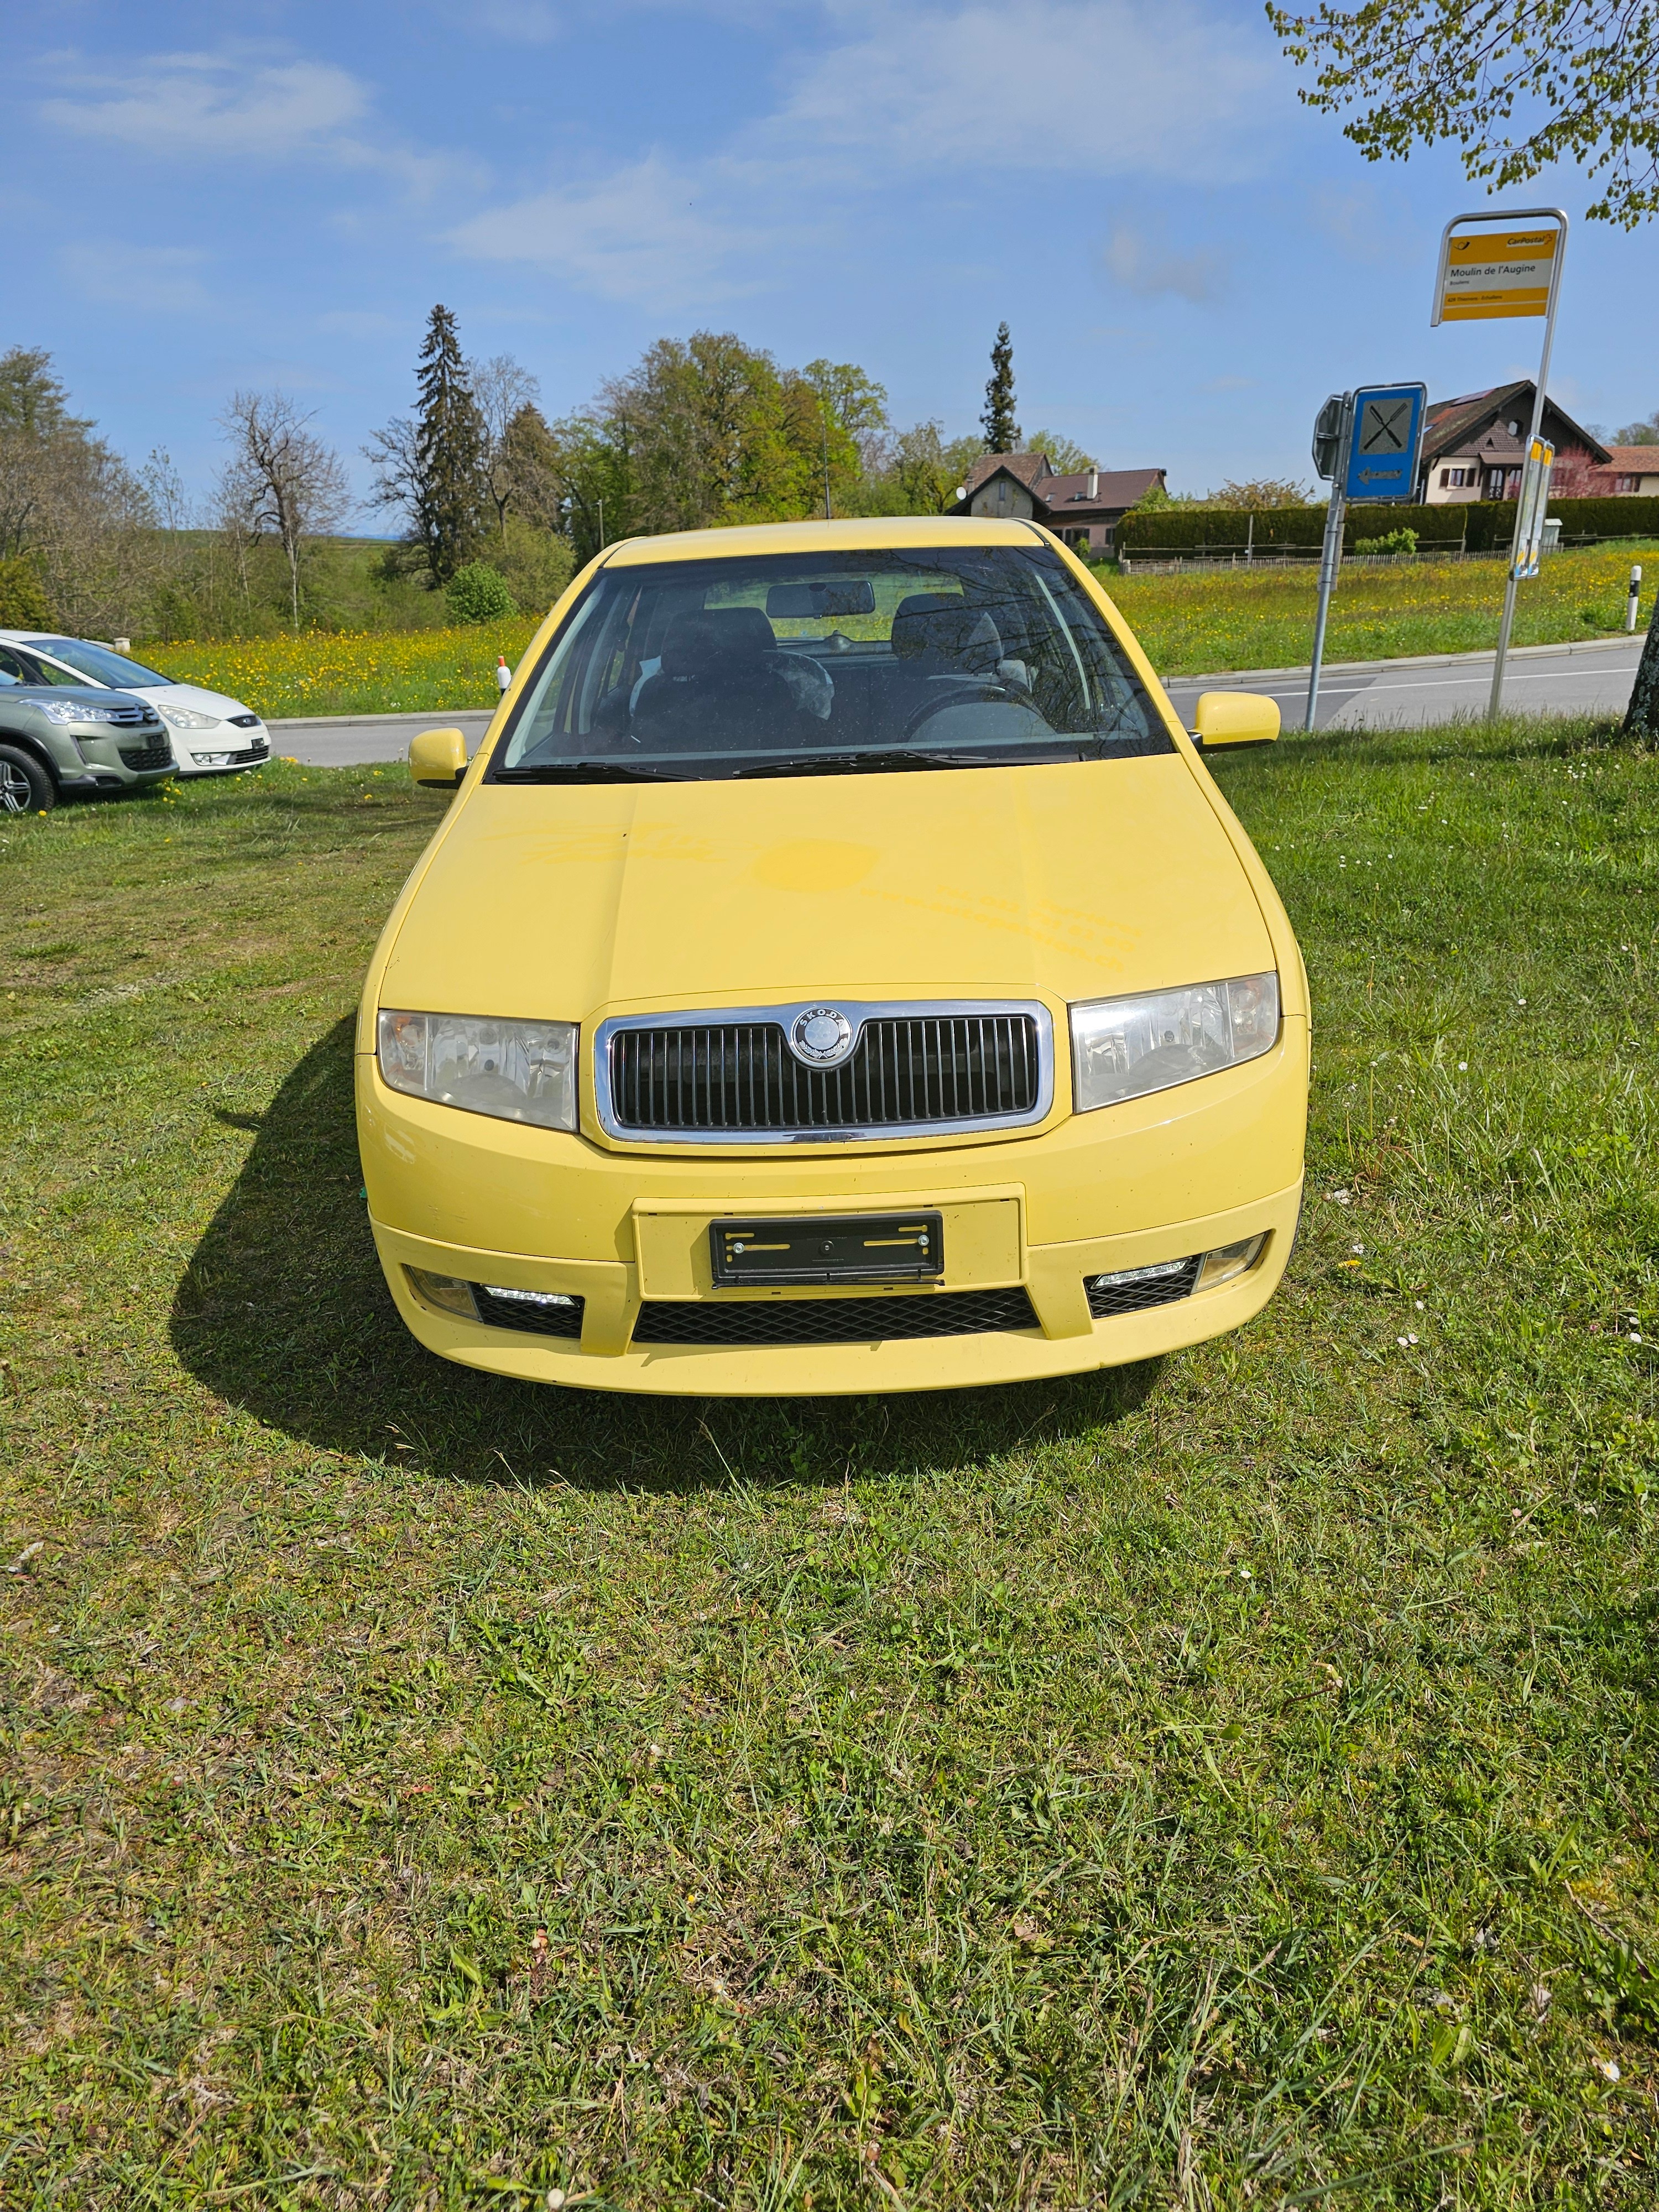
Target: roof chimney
(1094,481)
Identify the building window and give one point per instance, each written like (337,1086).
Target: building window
(1624,483)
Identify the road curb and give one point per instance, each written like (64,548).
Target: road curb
(429,717)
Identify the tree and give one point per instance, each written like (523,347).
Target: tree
(1642,716)
(853,412)
(68,504)
(1645,432)
(1584,74)
(1260,492)
(282,477)
(1001,429)
(479,593)
(502,391)
(530,466)
(1066,456)
(431,466)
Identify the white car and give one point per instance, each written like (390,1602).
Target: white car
(212,735)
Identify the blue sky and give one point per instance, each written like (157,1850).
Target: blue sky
(201,198)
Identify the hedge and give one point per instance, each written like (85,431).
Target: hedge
(1486,526)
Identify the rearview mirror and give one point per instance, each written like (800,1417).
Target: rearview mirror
(816,602)
(437,759)
(1234,718)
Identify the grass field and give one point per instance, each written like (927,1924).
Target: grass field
(1229,1783)
(1263,618)
(1189,625)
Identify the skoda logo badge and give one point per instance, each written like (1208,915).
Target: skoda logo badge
(821,1037)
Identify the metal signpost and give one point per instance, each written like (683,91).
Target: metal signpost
(1366,445)
(1486,275)
(1529,518)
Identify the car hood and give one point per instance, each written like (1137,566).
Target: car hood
(1072,881)
(193,695)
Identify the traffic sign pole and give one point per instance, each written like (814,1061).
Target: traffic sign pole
(1519,301)
(1365,443)
(1330,557)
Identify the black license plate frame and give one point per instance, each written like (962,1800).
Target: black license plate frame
(807,1251)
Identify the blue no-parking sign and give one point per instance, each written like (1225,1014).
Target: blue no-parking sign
(1382,447)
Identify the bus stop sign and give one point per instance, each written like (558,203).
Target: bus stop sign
(1388,432)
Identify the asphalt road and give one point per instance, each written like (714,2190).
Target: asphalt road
(1595,678)
(1590,678)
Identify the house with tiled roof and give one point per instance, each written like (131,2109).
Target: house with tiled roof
(1474,448)
(1632,472)
(1083,508)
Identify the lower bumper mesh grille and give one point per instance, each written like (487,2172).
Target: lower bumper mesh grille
(1107,1298)
(157,752)
(833,1320)
(522,1313)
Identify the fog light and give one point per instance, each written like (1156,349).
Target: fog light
(541,1298)
(1229,1260)
(447,1292)
(1159,1273)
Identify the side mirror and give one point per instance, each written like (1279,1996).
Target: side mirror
(1234,718)
(437,759)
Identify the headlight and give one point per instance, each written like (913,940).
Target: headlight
(61,710)
(1124,1048)
(517,1071)
(186,718)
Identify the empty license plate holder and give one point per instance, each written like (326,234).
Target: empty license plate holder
(827,1248)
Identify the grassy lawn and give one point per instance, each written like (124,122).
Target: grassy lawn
(1263,617)
(1228,1782)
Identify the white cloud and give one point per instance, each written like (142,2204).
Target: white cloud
(638,234)
(1099,88)
(1140,261)
(903,97)
(167,277)
(192,105)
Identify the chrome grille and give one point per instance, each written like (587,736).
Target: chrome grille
(916,1070)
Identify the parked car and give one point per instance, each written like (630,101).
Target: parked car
(837,971)
(212,734)
(73,741)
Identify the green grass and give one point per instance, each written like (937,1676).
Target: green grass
(1229,1783)
(1201,621)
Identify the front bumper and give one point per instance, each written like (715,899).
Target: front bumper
(227,752)
(1189,1170)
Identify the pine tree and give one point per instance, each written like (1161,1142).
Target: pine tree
(451,447)
(1001,430)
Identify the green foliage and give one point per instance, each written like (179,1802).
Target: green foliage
(1260,492)
(1478,526)
(535,564)
(1066,457)
(449,452)
(1395,541)
(23,601)
(479,593)
(998,420)
(1642,716)
(1584,75)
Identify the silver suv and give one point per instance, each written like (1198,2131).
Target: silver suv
(62,741)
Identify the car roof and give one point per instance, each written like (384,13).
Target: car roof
(857,534)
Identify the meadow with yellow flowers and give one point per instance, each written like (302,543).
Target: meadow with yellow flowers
(1190,624)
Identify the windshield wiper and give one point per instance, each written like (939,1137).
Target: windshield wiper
(864,763)
(584,771)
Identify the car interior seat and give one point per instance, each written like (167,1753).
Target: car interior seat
(716,687)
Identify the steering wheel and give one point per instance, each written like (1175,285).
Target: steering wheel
(970,694)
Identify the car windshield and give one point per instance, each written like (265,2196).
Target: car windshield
(98,662)
(803,664)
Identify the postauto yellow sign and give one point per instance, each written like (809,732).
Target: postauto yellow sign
(1489,273)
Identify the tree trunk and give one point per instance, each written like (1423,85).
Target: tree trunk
(1643,719)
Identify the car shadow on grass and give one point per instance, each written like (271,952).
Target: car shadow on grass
(283,1310)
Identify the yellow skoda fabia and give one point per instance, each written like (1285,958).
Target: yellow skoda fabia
(837,971)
